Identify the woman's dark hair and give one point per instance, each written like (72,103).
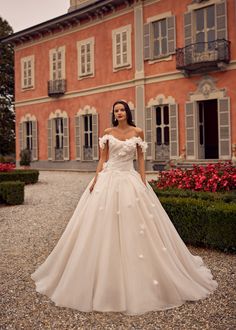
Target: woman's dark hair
(128,114)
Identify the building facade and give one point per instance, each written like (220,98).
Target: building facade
(174,62)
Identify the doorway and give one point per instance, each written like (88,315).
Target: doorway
(208,142)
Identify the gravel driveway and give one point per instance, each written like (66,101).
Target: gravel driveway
(30,231)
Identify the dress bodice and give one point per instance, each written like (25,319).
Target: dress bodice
(121,153)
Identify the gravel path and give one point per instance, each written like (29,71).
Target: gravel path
(30,231)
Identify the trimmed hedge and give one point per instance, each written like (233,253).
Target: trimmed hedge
(12,193)
(26,176)
(203,223)
(226,197)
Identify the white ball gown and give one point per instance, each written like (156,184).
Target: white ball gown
(120,251)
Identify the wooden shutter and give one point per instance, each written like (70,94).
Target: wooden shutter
(188,28)
(78,137)
(95,136)
(147,41)
(21,136)
(221,20)
(150,132)
(50,146)
(224,128)
(66,151)
(171,35)
(174,136)
(190,130)
(35,140)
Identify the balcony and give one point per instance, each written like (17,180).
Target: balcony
(56,88)
(203,57)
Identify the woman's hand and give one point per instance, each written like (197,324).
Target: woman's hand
(92,185)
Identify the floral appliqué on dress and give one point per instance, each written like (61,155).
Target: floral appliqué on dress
(128,144)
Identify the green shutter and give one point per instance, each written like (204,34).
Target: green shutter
(188,28)
(147,41)
(190,130)
(21,136)
(66,151)
(221,20)
(174,136)
(95,136)
(150,132)
(171,39)
(35,140)
(78,137)
(224,128)
(50,146)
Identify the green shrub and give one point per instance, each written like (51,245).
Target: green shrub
(25,157)
(227,197)
(203,223)
(26,176)
(12,193)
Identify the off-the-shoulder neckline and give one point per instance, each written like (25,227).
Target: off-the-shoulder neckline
(136,137)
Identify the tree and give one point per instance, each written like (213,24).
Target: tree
(7,114)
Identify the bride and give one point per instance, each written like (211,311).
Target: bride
(120,251)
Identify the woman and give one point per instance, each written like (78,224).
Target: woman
(120,252)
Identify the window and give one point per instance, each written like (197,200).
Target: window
(29,135)
(58,136)
(205,28)
(59,133)
(57,63)
(206,24)
(88,133)
(86,57)
(27,72)
(162,125)
(159,38)
(121,44)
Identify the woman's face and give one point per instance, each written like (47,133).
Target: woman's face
(119,112)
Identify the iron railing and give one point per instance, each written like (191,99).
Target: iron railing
(57,87)
(202,56)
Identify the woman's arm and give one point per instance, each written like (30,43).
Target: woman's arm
(141,162)
(102,159)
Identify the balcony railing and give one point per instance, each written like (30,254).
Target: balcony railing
(56,88)
(203,56)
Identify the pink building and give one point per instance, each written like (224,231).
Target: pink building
(174,62)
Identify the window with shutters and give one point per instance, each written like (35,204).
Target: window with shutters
(162,132)
(121,44)
(29,135)
(59,133)
(57,63)
(59,136)
(159,38)
(85,50)
(27,72)
(88,137)
(205,31)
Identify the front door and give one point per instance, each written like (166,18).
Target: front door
(208,145)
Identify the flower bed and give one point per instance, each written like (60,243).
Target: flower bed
(212,178)
(6,167)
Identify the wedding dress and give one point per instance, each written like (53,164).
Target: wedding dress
(120,252)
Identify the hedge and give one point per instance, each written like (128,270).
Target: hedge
(12,193)
(26,176)
(203,223)
(227,197)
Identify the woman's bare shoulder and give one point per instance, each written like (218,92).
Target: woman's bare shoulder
(139,132)
(108,130)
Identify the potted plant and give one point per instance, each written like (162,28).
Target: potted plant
(25,158)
